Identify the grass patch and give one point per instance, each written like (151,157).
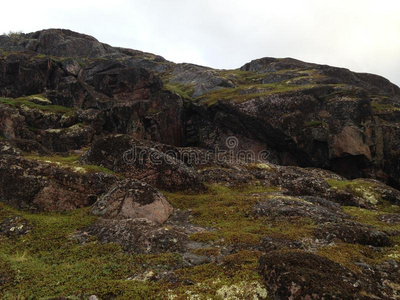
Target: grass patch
(185,91)
(71,162)
(47,263)
(248,92)
(380,108)
(291,229)
(237,270)
(359,188)
(228,211)
(239,77)
(370,217)
(348,254)
(28,102)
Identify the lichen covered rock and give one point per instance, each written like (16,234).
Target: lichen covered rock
(131,199)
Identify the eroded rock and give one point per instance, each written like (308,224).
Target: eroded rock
(301,275)
(131,199)
(130,157)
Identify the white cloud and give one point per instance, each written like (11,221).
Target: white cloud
(362,35)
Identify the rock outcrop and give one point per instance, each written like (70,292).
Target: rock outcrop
(135,159)
(124,175)
(133,200)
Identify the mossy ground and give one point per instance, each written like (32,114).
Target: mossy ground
(227,210)
(47,262)
(185,91)
(43,104)
(348,254)
(360,188)
(248,92)
(71,162)
(382,108)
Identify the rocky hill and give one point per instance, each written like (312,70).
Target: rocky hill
(127,176)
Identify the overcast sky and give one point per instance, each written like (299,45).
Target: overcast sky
(362,35)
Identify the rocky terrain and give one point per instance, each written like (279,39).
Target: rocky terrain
(126,176)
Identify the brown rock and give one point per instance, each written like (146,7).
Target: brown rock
(56,198)
(134,159)
(350,141)
(131,199)
(300,275)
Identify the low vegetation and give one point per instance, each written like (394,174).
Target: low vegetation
(37,102)
(228,210)
(15,35)
(248,92)
(381,108)
(47,263)
(359,187)
(185,91)
(316,124)
(71,162)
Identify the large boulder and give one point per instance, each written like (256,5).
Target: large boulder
(135,235)
(45,186)
(131,199)
(64,139)
(301,275)
(12,123)
(134,159)
(201,79)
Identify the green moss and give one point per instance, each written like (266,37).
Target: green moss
(294,228)
(359,188)
(185,91)
(348,254)
(227,210)
(16,36)
(345,92)
(204,237)
(381,108)
(236,270)
(243,93)
(71,162)
(239,77)
(371,217)
(27,102)
(47,263)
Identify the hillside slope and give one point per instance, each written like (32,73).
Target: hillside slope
(127,176)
